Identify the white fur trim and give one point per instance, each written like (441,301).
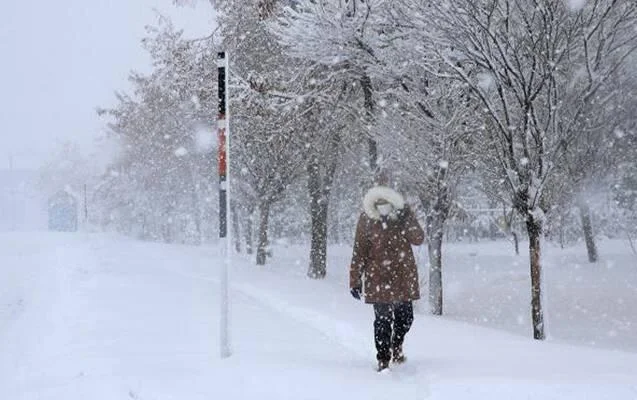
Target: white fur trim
(381,192)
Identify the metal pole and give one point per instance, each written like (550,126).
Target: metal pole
(224,200)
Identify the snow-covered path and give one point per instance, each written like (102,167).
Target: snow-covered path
(97,317)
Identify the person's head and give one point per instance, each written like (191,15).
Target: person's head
(384,207)
(382,201)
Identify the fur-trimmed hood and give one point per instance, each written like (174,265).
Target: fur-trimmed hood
(381,193)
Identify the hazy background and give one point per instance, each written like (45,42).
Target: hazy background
(60,60)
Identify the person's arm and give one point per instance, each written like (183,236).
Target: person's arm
(413,231)
(359,256)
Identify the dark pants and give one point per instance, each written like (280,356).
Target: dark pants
(390,327)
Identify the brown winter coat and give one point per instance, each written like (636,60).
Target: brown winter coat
(382,257)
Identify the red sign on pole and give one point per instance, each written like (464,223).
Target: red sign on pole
(221,138)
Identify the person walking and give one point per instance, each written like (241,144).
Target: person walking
(383,269)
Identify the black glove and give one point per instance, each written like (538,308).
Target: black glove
(356,293)
(402,214)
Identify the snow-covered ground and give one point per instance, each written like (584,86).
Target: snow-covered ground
(485,283)
(101,317)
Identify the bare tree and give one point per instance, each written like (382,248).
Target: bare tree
(426,138)
(268,147)
(340,35)
(157,184)
(524,64)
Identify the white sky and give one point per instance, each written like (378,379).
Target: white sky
(62,59)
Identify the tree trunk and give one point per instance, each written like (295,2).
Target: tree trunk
(587,227)
(435,274)
(166,233)
(632,244)
(248,233)
(435,231)
(562,238)
(437,214)
(534,229)
(368,96)
(145,235)
(320,187)
(373,156)
(196,206)
(236,234)
(262,246)
(318,214)
(516,242)
(318,251)
(334,235)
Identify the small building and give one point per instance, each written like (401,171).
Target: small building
(63,212)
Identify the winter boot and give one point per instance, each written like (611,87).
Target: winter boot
(382,365)
(398,357)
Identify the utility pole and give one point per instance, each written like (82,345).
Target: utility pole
(223,136)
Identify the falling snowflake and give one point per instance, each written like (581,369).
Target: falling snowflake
(205,140)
